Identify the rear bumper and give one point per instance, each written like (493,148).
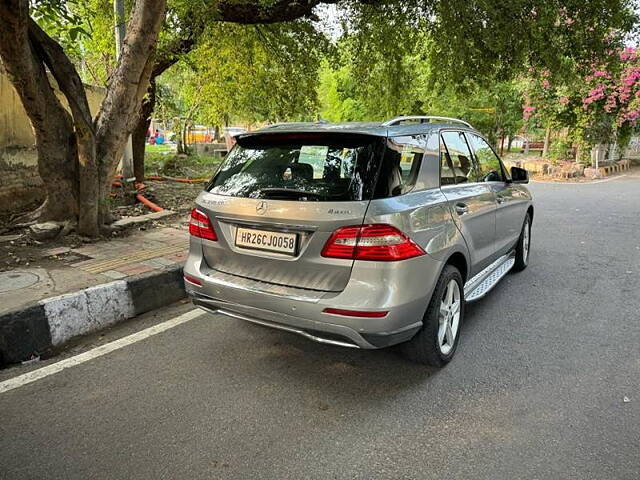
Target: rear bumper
(321,332)
(402,292)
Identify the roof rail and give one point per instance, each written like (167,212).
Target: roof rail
(423,119)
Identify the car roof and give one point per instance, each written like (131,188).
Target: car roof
(381,129)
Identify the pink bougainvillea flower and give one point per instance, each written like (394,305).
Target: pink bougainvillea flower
(628,53)
(527,111)
(601,73)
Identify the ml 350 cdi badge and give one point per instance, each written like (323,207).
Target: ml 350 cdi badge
(359,235)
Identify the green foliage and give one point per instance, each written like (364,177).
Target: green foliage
(258,73)
(348,92)
(85,29)
(453,58)
(337,95)
(63,20)
(379,48)
(485,39)
(494,109)
(97,59)
(561,149)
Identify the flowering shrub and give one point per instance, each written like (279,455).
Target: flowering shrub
(611,105)
(546,103)
(602,106)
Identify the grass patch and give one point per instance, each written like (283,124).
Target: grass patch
(164,148)
(183,166)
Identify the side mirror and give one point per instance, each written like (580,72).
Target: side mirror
(519,175)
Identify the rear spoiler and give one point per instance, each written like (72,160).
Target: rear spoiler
(266,138)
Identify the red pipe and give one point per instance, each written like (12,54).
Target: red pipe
(139,187)
(149,203)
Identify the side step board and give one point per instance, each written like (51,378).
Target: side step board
(478,286)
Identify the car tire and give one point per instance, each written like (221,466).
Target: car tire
(430,346)
(523,247)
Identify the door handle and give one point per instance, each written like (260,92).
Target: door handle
(461,208)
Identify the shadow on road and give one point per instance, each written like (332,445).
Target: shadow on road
(338,371)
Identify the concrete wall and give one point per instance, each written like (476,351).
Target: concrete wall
(20,183)
(15,128)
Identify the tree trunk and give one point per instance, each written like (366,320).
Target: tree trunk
(138,144)
(139,136)
(547,141)
(77,155)
(72,88)
(55,139)
(185,142)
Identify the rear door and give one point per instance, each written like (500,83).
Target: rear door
(472,203)
(277,199)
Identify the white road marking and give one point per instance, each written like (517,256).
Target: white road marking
(43,372)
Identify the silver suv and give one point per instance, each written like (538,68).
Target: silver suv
(360,235)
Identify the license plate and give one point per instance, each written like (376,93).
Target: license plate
(267,240)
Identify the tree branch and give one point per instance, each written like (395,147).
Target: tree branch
(247,12)
(170,54)
(65,74)
(130,80)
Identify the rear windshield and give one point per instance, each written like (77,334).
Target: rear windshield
(309,167)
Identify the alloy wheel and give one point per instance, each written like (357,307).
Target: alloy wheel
(449,318)
(526,240)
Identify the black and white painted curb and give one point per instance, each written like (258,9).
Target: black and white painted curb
(36,329)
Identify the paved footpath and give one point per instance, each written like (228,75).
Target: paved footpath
(64,269)
(537,389)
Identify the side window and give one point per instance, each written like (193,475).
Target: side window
(489,168)
(400,165)
(455,159)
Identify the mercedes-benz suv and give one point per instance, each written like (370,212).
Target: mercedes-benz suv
(359,235)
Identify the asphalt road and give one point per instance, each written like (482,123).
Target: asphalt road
(536,389)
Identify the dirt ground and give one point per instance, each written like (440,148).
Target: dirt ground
(169,195)
(18,247)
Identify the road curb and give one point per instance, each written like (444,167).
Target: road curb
(35,329)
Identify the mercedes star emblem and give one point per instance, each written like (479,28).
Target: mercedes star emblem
(261,208)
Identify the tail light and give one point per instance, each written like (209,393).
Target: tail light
(383,243)
(200,226)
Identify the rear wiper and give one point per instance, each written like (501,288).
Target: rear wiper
(287,192)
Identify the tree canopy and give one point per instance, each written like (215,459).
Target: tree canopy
(270,60)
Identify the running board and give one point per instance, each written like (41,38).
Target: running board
(478,286)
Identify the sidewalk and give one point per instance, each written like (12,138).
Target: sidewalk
(73,291)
